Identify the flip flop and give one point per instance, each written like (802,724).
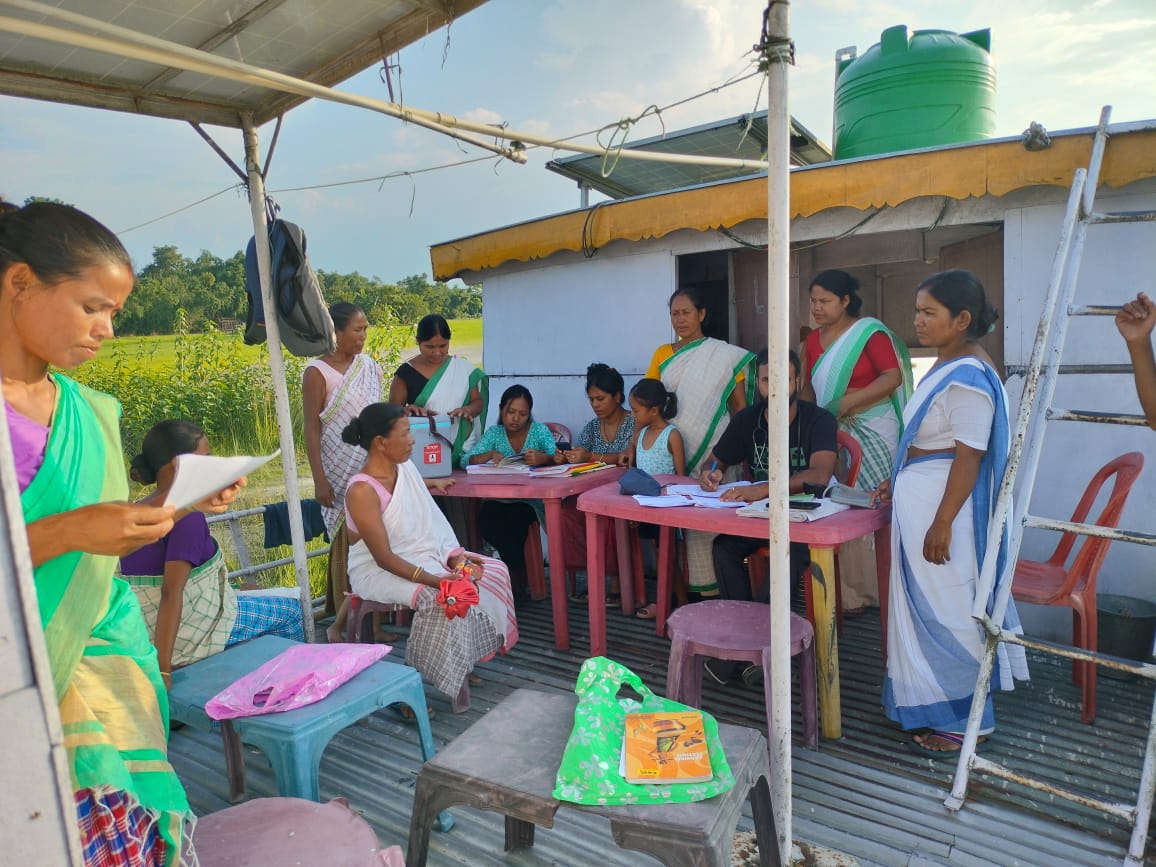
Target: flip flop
(950,737)
(646,612)
(398,711)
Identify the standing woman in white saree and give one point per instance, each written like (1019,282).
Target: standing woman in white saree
(948,469)
(711,378)
(334,389)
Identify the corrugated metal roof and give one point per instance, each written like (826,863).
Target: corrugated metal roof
(321,41)
(865,794)
(744,137)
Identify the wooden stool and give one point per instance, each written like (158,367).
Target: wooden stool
(507,763)
(725,629)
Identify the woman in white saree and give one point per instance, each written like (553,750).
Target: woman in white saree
(402,548)
(947,473)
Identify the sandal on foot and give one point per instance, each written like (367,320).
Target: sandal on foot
(404,714)
(646,612)
(923,749)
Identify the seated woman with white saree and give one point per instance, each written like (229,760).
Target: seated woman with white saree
(402,548)
(947,473)
(434,382)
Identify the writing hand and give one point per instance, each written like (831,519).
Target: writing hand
(937,543)
(709,479)
(1136,319)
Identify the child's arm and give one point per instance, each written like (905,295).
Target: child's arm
(1135,321)
(169,614)
(677,451)
(627,457)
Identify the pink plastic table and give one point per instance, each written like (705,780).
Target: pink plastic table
(824,537)
(551,491)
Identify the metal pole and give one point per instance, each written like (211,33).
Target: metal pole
(277,369)
(778,471)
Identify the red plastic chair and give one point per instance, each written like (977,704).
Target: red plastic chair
(1050,582)
(560,431)
(757,562)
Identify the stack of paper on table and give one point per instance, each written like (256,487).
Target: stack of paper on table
(492,469)
(568,469)
(825,509)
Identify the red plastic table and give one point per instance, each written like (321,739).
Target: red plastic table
(824,537)
(551,490)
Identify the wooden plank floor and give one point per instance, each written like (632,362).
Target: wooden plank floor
(865,794)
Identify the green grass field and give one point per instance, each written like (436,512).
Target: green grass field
(160,350)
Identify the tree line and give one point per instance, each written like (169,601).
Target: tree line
(211,289)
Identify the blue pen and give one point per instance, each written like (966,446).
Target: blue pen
(713,466)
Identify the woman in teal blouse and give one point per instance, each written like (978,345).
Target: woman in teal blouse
(505,523)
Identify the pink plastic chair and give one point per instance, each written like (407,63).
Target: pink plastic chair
(290,831)
(726,629)
(1050,582)
(560,431)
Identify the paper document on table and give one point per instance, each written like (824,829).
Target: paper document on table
(666,502)
(198,477)
(697,491)
(716,503)
(825,509)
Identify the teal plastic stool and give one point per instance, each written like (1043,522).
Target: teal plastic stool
(294,740)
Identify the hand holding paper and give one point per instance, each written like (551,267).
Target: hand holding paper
(199,477)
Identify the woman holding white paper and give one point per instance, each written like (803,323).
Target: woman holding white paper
(181,581)
(63,277)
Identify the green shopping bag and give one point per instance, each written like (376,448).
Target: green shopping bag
(589,771)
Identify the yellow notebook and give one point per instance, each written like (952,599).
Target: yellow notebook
(665,747)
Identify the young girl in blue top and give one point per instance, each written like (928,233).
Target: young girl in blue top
(658,444)
(658,447)
(505,523)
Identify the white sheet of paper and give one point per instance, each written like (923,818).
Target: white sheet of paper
(200,476)
(715,503)
(696,491)
(666,502)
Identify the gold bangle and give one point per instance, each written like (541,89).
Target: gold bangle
(416,574)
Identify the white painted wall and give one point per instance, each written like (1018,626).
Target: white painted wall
(1118,262)
(545,321)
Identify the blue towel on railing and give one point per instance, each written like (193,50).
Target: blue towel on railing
(277,523)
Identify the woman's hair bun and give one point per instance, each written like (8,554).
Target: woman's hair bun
(141,472)
(988,318)
(352,433)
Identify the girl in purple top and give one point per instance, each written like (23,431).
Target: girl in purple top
(181,581)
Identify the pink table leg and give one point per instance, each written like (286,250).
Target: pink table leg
(596,582)
(625,563)
(665,559)
(883,575)
(557,572)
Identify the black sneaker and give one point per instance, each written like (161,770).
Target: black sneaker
(719,670)
(753,675)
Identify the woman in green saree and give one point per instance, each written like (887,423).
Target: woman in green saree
(63,276)
(434,382)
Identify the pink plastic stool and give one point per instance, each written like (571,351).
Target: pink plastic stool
(360,608)
(290,831)
(725,629)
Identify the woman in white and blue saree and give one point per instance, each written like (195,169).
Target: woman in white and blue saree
(948,469)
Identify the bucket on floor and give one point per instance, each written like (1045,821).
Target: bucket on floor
(1126,627)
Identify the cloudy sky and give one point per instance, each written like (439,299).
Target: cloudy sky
(553,67)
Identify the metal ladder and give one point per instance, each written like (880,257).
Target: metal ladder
(1035,411)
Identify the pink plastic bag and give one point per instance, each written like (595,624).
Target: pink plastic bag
(299,676)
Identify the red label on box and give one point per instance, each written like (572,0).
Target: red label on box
(432,453)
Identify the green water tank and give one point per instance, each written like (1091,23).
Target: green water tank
(934,88)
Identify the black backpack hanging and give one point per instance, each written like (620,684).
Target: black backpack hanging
(302,314)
